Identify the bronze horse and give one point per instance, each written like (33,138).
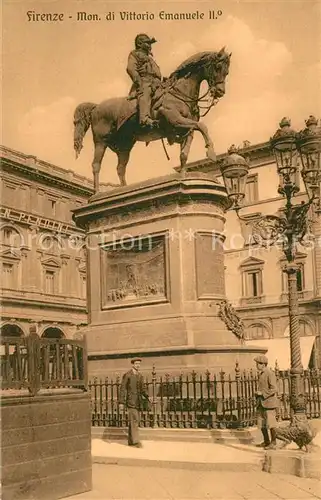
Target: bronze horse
(115,124)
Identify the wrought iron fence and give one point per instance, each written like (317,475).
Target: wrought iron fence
(200,400)
(35,363)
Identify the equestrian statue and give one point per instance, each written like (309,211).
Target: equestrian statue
(156,108)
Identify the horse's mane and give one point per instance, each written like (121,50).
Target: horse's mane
(197,60)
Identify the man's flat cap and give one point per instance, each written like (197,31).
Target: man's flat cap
(135,359)
(261,359)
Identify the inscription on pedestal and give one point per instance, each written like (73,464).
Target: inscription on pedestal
(134,272)
(209,266)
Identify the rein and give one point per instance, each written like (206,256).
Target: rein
(189,100)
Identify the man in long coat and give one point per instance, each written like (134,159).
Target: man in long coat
(267,402)
(132,393)
(146,76)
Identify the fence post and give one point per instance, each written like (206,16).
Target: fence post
(155,424)
(222,381)
(277,376)
(238,394)
(33,353)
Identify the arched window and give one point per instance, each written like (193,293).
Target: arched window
(12,366)
(305,329)
(50,244)
(257,331)
(10,237)
(9,330)
(53,333)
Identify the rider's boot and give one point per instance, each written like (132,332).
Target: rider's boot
(144,104)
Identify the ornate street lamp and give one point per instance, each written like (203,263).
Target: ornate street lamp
(234,171)
(290,150)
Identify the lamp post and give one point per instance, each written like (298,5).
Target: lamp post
(290,150)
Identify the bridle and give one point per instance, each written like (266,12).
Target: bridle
(179,94)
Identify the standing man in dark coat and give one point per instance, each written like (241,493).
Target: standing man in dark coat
(267,402)
(146,76)
(132,392)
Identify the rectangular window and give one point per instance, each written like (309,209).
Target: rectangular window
(50,282)
(254,284)
(251,190)
(53,206)
(9,196)
(50,206)
(299,280)
(8,275)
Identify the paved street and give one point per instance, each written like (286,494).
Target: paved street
(203,456)
(189,471)
(119,482)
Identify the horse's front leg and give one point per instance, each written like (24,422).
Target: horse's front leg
(210,153)
(177,120)
(123,158)
(185,149)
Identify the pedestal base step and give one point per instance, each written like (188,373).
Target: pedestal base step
(235,436)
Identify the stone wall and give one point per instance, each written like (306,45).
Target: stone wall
(46,444)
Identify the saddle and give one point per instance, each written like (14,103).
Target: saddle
(130,105)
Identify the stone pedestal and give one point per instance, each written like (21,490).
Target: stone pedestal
(156,277)
(294,462)
(45,444)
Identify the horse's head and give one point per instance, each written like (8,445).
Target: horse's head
(216,69)
(210,66)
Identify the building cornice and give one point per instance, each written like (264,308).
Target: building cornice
(38,170)
(314,302)
(24,301)
(259,152)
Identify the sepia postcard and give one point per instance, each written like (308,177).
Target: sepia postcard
(161,249)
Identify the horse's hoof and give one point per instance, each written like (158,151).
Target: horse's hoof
(210,153)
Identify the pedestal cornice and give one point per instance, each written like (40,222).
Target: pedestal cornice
(164,190)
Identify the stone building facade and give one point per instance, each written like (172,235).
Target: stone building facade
(43,255)
(255,283)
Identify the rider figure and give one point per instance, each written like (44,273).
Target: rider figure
(146,76)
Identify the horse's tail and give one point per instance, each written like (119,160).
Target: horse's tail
(82,122)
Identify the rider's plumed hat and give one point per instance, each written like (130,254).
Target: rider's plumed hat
(143,38)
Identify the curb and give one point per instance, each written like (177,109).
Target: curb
(175,464)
